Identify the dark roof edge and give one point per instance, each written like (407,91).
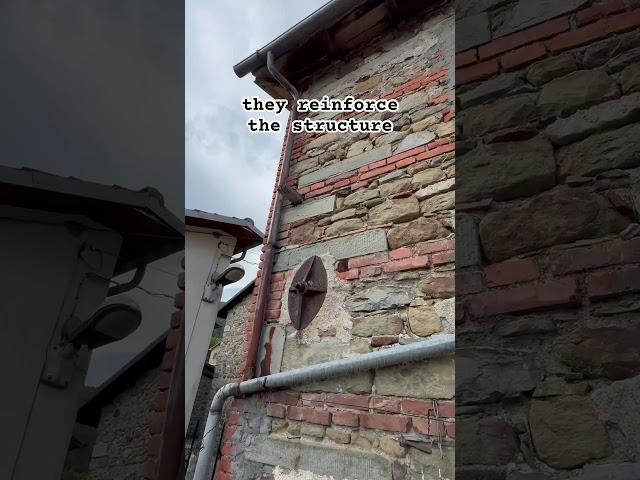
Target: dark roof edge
(315,22)
(198,217)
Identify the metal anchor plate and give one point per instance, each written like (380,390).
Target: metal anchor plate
(307,292)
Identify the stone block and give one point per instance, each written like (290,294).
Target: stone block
(391,324)
(397,210)
(380,297)
(424,320)
(419,230)
(308,209)
(433,378)
(485,441)
(526,14)
(343,226)
(578,89)
(475,31)
(468,252)
(550,68)
(346,165)
(359,244)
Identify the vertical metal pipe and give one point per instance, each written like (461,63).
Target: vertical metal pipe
(272,235)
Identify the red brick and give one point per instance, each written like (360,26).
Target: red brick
(447,409)
(220,475)
(466,58)
(349,274)
(377,171)
(274,304)
(441,99)
(438,143)
(443,257)
(283,396)
(229,432)
(511,271)
(399,253)
(275,410)
(428,426)
(348,419)
(525,298)
(591,14)
(354,401)
(405,162)
(416,407)
(311,415)
(406,264)
(375,259)
(272,314)
(317,193)
(225,464)
(234,419)
(406,154)
(522,56)
(437,246)
(615,252)
(595,31)
(449,116)
(611,284)
(449,147)
(228,449)
(370,271)
(476,72)
(468,282)
(391,423)
(523,37)
(450,427)
(385,404)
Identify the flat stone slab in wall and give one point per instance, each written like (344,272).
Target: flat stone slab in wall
(364,243)
(346,165)
(527,13)
(333,462)
(309,209)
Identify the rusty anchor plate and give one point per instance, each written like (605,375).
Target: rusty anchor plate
(307,292)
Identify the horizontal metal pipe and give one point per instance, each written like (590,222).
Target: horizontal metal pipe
(414,352)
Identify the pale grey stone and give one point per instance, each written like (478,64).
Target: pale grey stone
(308,209)
(490,89)
(474,30)
(414,140)
(364,243)
(414,100)
(346,165)
(380,297)
(360,196)
(433,378)
(343,226)
(436,189)
(348,213)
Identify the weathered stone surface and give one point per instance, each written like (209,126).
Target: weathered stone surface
(476,31)
(524,326)
(425,123)
(368,84)
(550,68)
(377,325)
(383,340)
(577,215)
(504,171)
(623,60)
(388,138)
(348,213)
(343,226)
(395,210)
(578,89)
(584,123)
(566,432)
(438,203)
(414,140)
(346,165)
(446,129)
(310,456)
(401,185)
(392,176)
(322,141)
(630,79)
(485,441)
(525,14)
(381,297)
(298,355)
(438,286)
(390,446)
(312,430)
(490,89)
(558,387)
(304,165)
(468,253)
(424,320)
(433,378)
(487,375)
(436,189)
(508,112)
(609,352)
(357,148)
(308,209)
(338,435)
(601,152)
(361,196)
(428,176)
(409,102)
(417,231)
(305,233)
(371,241)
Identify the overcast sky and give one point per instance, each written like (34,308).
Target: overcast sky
(229,170)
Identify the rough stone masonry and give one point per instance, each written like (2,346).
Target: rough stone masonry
(548,184)
(378,210)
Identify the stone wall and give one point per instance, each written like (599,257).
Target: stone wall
(121,445)
(378,210)
(231,354)
(548,261)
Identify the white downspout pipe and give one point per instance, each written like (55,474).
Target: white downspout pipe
(430,348)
